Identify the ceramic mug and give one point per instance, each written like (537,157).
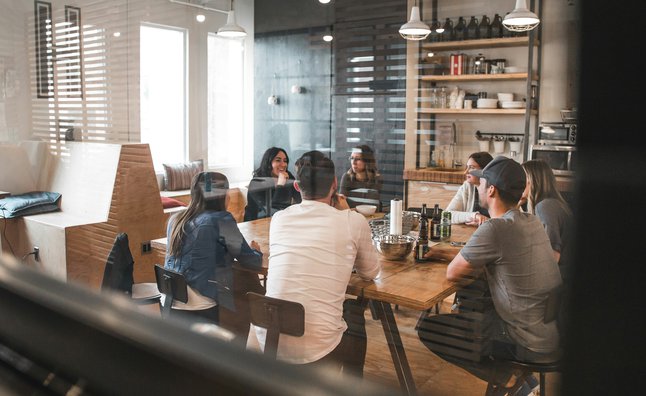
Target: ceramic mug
(468,104)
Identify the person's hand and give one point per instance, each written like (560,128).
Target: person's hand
(478,219)
(255,246)
(282,178)
(340,202)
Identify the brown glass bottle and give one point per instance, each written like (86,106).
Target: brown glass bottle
(471,32)
(459,31)
(496,27)
(484,29)
(422,240)
(436,220)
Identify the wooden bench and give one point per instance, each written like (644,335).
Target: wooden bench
(106,189)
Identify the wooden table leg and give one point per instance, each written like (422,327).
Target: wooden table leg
(383,311)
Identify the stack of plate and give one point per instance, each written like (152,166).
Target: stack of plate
(516,104)
(484,103)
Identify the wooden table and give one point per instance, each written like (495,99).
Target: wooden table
(419,286)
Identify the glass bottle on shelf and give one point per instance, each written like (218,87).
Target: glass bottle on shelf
(448,33)
(459,30)
(484,29)
(442,101)
(433,98)
(496,27)
(472,29)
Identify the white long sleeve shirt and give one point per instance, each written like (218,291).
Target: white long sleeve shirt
(462,204)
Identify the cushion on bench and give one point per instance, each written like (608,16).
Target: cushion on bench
(180,176)
(29,203)
(168,202)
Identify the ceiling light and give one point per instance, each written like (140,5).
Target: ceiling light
(231,29)
(327,38)
(200,18)
(414,29)
(324,1)
(521,19)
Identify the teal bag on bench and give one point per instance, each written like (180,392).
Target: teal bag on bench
(29,204)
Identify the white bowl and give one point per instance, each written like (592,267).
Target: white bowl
(506,97)
(366,210)
(484,103)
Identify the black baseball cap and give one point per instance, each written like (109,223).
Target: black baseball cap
(504,173)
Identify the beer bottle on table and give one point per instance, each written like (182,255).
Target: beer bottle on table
(435,224)
(422,240)
(445,226)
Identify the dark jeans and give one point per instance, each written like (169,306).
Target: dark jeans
(351,351)
(484,335)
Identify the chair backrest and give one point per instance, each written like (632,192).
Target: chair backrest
(278,317)
(117,274)
(173,285)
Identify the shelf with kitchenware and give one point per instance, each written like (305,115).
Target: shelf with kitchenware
(476,111)
(502,42)
(477,77)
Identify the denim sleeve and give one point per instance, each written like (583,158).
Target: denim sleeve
(237,246)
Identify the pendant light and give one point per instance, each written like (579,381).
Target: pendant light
(231,29)
(414,29)
(521,19)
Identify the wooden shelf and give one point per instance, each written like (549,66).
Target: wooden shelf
(474,111)
(482,43)
(476,77)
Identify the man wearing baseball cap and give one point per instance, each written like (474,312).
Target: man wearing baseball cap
(514,252)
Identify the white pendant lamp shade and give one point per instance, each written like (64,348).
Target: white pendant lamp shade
(414,29)
(231,29)
(521,19)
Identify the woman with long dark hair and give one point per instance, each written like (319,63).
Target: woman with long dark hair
(361,184)
(203,242)
(272,185)
(464,206)
(545,201)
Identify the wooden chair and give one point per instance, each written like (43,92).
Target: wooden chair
(278,317)
(173,285)
(528,368)
(118,274)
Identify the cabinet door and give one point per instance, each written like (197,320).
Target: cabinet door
(430,193)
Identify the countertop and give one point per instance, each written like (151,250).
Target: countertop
(443,175)
(439,175)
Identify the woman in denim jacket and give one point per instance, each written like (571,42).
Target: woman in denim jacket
(203,242)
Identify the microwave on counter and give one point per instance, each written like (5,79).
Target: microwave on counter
(551,133)
(562,159)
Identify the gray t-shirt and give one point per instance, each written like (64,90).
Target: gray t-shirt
(557,220)
(521,271)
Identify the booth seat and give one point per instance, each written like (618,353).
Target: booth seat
(106,188)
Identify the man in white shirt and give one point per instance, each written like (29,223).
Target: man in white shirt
(314,247)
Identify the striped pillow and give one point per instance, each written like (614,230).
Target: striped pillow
(180,176)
